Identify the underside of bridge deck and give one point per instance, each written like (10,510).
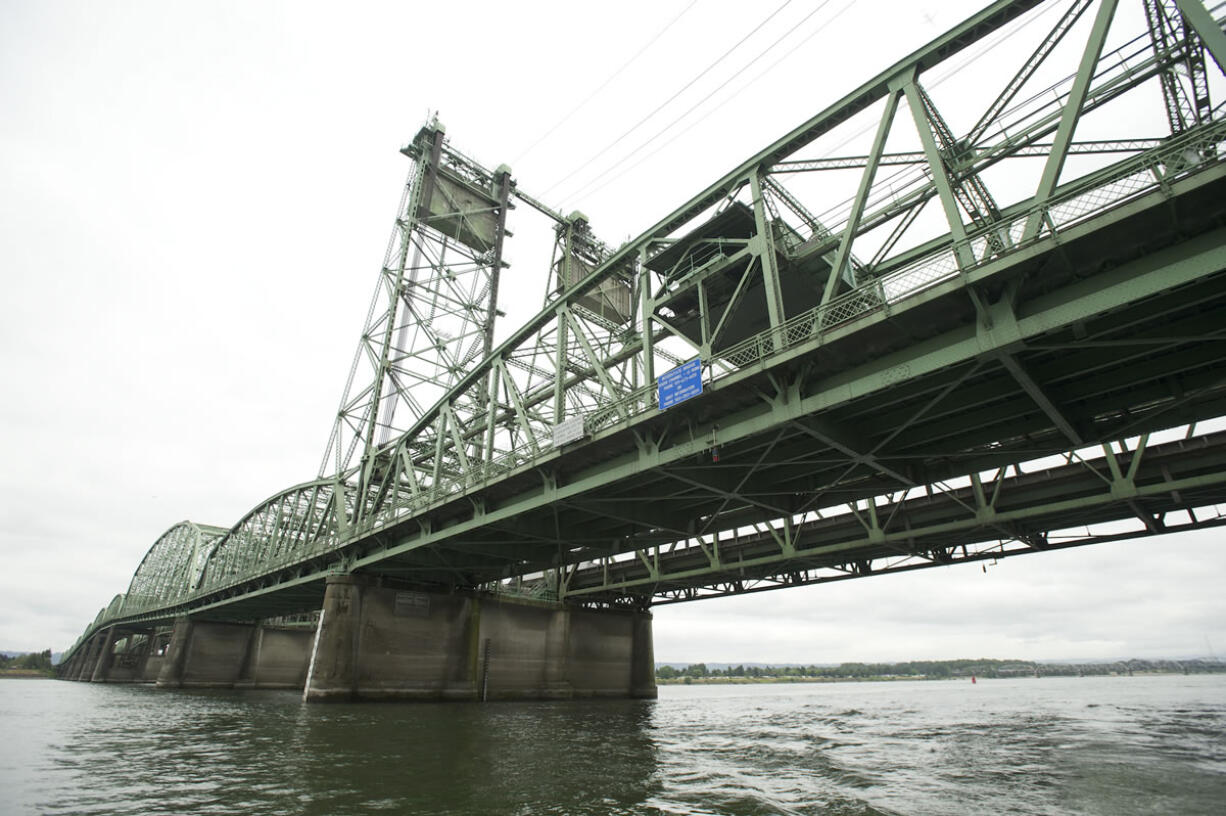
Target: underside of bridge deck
(1103,337)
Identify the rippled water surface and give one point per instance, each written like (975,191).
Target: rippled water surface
(1140,745)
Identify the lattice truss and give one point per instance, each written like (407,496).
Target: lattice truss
(173,567)
(771,255)
(432,314)
(1166,483)
(302,522)
(1011,132)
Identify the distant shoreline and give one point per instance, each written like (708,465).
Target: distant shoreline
(959,669)
(26,674)
(751,681)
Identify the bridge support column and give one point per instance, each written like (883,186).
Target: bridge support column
(205,654)
(89,659)
(643,658)
(67,670)
(155,655)
(380,643)
(276,658)
(123,656)
(213,654)
(171,673)
(73,672)
(102,666)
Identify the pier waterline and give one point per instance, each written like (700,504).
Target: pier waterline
(376,642)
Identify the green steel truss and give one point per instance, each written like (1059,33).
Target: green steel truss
(1096,494)
(876,372)
(432,314)
(174,565)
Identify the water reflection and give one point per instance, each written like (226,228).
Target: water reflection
(571,757)
(266,753)
(1128,746)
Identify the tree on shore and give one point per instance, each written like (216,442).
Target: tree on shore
(940,669)
(31,661)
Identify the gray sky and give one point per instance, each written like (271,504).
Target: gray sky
(194,203)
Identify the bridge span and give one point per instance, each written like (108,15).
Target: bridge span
(1011,343)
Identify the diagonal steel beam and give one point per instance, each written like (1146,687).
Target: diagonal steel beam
(1072,112)
(1040,397)
(866,185)
(632,516)
(1197,16)
(736,490)
(846,442)
(1032,64)
(725,493)
(930,404)
(936,168)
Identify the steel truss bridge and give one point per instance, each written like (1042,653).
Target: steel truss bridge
(1008,342)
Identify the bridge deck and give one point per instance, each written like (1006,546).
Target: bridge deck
(1104,339)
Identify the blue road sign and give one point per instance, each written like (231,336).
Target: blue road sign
(680,384)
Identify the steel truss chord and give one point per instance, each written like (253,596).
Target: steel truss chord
(1025,508)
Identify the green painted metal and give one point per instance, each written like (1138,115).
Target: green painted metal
(1024,330)
(434,307)
(1071,113)
(173,567)
(1208,30)
(866,184)
(920,532)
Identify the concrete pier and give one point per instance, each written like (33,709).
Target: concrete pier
(155,655)
(375,642)
(88,657)
(214,654)
(381,643)
(277,658)
(122,657)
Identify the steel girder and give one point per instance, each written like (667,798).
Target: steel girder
(1083,312)
(1008,510)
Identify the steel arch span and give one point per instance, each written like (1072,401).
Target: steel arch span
(292,527)
(173,566)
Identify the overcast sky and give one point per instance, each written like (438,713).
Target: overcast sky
(194,203)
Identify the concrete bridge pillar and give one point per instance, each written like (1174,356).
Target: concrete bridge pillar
(276,658)
(122,666)
(89,657)
(106,656)
(378,642)
(217,654)
(205,654)
(643,658)
(155,654)
(171,673)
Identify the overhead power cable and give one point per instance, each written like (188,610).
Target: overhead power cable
(566,118)
(668,101)
(981,52)
(719,88)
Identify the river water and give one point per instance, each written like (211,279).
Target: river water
(1100,745)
